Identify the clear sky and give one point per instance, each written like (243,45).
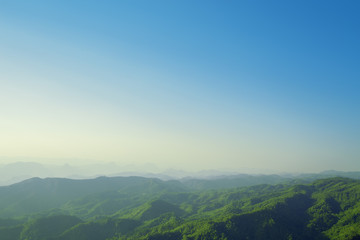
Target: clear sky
(272,85)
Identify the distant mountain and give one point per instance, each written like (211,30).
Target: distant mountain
(20,171)
(37,195)
(231,181)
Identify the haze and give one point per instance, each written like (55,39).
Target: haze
(190,85)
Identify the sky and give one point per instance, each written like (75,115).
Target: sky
(190,85)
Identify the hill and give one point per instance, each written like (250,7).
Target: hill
(36,195)
(140,208)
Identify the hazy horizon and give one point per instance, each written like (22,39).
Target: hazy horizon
(185,85)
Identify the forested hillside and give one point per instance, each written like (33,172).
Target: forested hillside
(142,208)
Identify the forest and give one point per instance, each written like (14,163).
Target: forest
(120,208)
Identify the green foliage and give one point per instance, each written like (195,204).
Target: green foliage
(152,209)
(10,233)
(37,195)
(47,227)
(101,229)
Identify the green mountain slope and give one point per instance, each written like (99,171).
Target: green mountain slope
(153,209)
(101,229)
(36,195)
(47,227)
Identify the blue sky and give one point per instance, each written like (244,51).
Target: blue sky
(182,84)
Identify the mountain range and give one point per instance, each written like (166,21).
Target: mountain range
(230,207)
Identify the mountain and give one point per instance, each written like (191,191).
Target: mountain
(48,227)
(101,229)
(19,171)
(154,209)
(145,208)
(231,181)
(37,195)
